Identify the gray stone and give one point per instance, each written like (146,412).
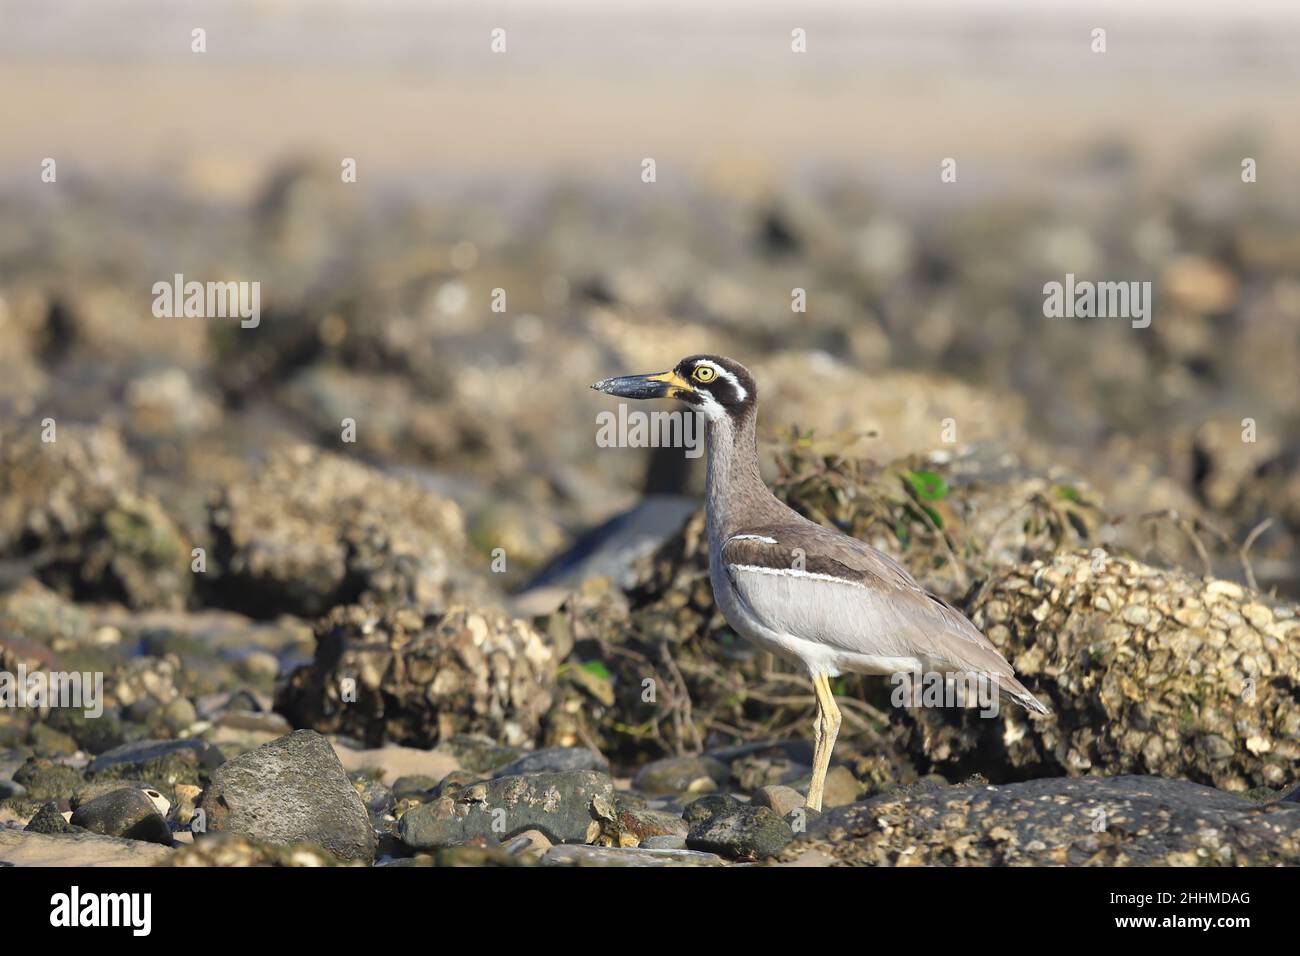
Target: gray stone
(418,786)
(570,807)
(779,798)
(378,799)
(555,760)
(291,790)
(710,805)
(11,790)
(665,842)
(125,813)
(749,833)
(529,843)
(690,774)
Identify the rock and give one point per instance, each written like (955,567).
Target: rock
(574,806)
(145,686)
(416,786)
(291,790)
(32,611)
(609,550)
(379,801)
(238,849)
(819,391)
(753,772)
(312,530)
(673,841)
(1193,689)
(74,503)
(46,780)
(747,833)
(1089,821)
(20,848)
(638,824)
(475,856)
(421,677)
(779,799)
(47,741)
(555,760)
(187,801)
(627,856)
(49,819)
(531,843)
(841,788)
(709,806)
(687,774)
(92,734)
(163,763)
(392,762)
(124,813)
(95,789)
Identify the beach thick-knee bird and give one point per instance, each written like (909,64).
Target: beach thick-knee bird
(818,598)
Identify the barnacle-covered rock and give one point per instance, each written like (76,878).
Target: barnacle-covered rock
(236,849)
(416,677)
(1146,671)
(902,411)
(1095,821)
(947,515)
(33,612)
(72,509)
(312,530)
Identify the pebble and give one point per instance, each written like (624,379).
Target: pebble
(529,843)
(689,774)
(128,813)
(780,799)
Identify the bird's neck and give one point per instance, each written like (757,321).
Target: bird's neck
(734,489)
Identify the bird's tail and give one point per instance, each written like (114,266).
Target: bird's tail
(1011,689)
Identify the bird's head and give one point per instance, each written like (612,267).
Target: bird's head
(714,385)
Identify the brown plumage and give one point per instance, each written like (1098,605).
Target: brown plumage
(819,598)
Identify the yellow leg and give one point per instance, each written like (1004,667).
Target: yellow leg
(825,730)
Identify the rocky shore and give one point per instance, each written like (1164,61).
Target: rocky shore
(461,633)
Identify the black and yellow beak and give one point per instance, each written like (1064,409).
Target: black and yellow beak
(663,385)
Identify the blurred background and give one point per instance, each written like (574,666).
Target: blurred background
(775,171)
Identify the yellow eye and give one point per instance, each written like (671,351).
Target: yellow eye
(704,374)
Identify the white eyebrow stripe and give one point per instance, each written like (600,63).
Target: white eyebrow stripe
(741,391)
